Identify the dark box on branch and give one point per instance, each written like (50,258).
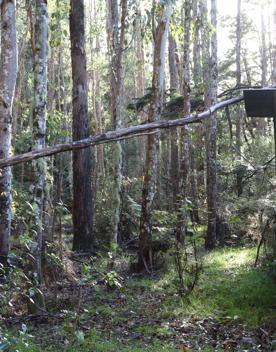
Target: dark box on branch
(260,102)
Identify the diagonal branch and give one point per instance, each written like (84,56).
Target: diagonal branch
(119,134)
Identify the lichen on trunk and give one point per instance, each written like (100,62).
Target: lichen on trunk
(8,72)
(39,126)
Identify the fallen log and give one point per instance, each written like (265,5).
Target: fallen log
(112,136)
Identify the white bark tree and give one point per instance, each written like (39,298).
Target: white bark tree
(8,72)
(39,123)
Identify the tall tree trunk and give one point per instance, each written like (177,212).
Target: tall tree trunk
(174,81)
(264,63)
(82,167)
(239,111)
(182,217)
(19,81)
(148,192)
(274,47)
(8,71)
(116,75)
(210,97)
(39,124)
(99,171)
(198,91)
(141,79)
(174,164)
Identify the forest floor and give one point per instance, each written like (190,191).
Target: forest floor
(233,308)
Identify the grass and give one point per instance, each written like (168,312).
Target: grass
(230,288)
(101,343)
(140,317)
(92,342)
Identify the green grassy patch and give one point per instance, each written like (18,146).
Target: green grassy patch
(230,288)
(100,343)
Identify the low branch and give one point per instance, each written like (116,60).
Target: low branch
(119,134)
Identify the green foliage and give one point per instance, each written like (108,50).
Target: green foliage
(17,341)
(100,343)
(55,132)
(187,267)
(113,280)
(163,221)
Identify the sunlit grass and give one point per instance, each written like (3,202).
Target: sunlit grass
(230,288)
(230,259)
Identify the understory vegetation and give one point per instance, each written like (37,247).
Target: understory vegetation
(232,308)
(137,175)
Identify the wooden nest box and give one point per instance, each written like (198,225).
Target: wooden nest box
(260,102)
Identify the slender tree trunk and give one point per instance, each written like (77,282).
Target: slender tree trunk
(19,83)
(182,217)
(174,164)
(174,81)
(82,167)
(116,75)
(264,60)
(98,104)
(8,71)
(264,63)
(210,97)
(198,89)
(148,192)
(239,111)
(60,161)
(274,47)
(141,79)
(39,124)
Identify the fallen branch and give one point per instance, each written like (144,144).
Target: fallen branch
(119,134)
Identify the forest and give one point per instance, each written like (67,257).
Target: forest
(137,175)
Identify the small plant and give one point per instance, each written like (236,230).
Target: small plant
(187,267)
(112,280)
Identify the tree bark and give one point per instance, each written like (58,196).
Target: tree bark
(274,47)
(82,167)
(141,79)
(99,170)
(264,63)
(39,124)
(148,192)
(116,75)
(182,217)
(198,88)
(210,97)
(239,111)
(174,81)
(174,152)
(8,72)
